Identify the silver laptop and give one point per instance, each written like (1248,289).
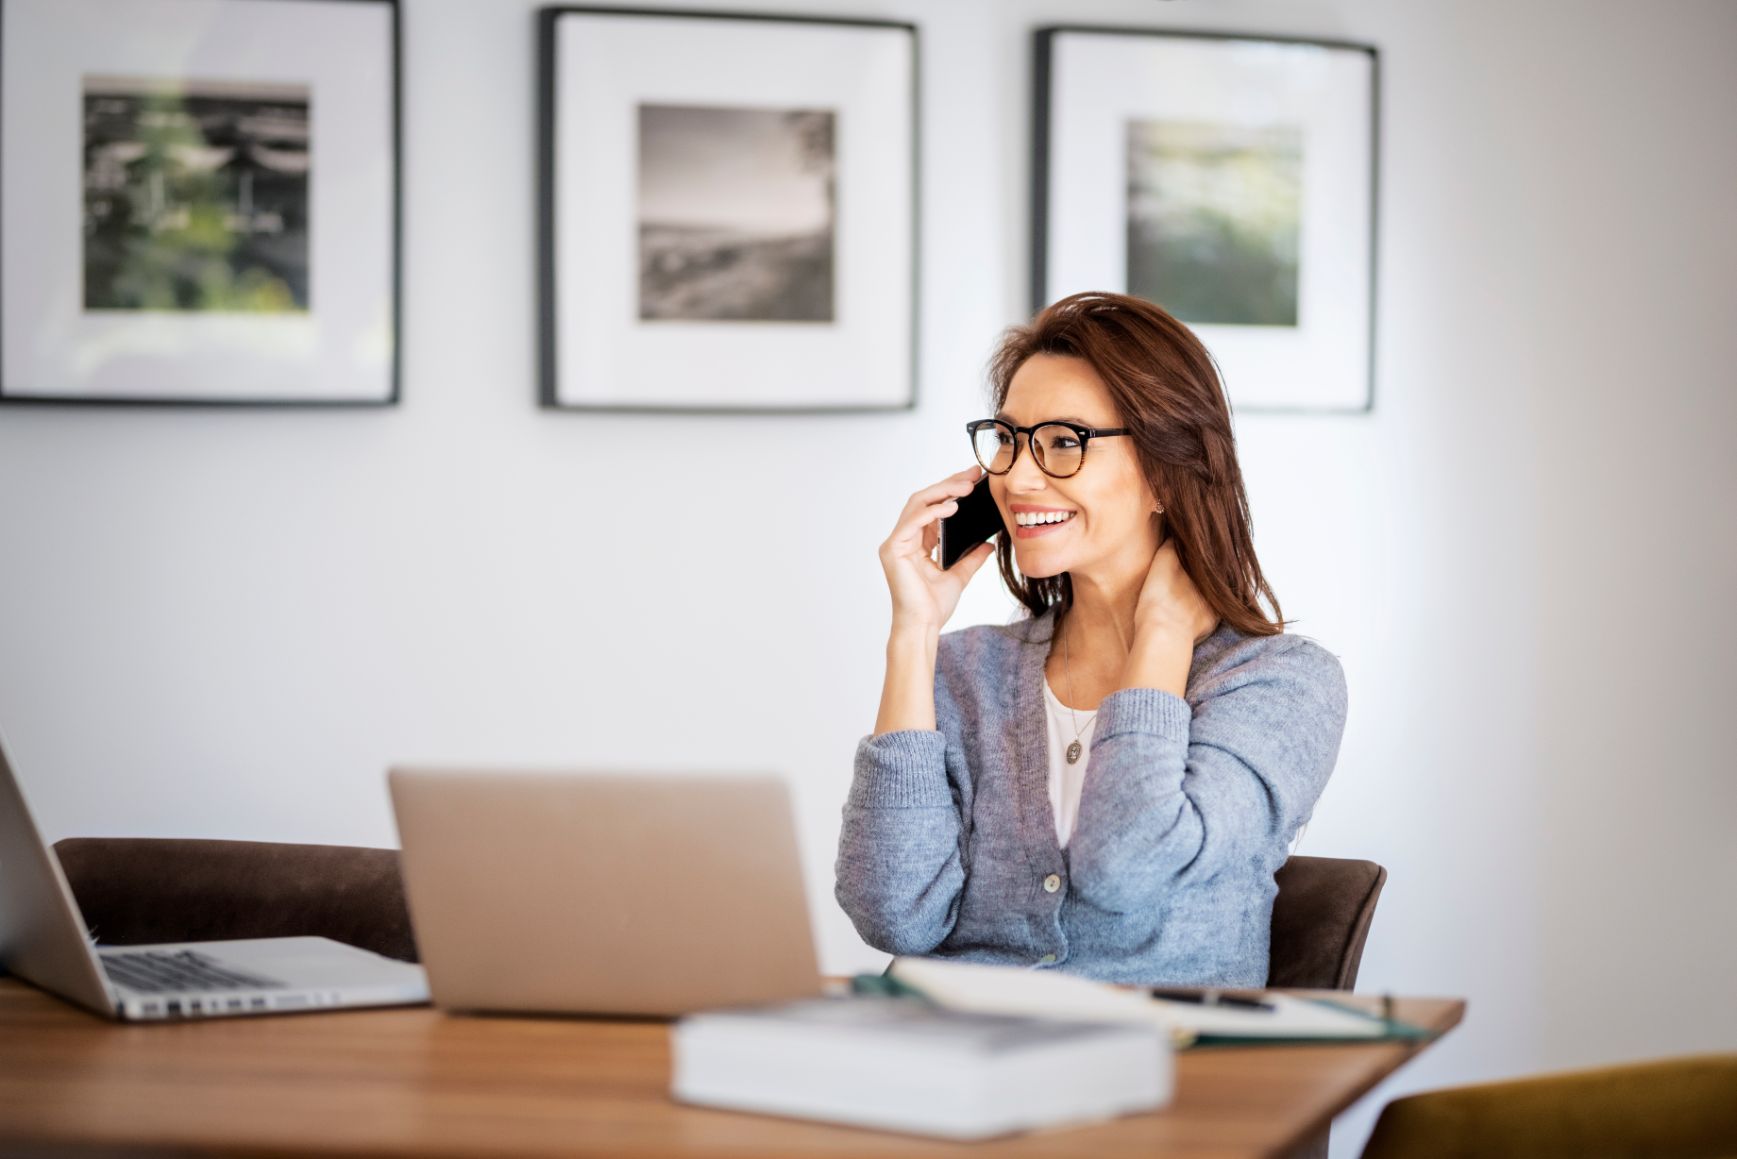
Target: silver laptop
(43,940)
(597,893)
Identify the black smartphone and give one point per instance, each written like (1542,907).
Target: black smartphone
(976,520)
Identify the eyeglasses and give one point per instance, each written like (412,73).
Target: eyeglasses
(1059,447)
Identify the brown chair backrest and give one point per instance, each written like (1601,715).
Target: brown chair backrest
(1321,920)
(138,890)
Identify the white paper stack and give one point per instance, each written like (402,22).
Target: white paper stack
(904,1065)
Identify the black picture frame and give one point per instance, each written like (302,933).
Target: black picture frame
(1042,288)
(551,290)
(386,378)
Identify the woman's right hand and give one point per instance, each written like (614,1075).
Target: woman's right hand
(924,595)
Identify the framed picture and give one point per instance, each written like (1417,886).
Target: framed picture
(1231,180)
(728,211)
(199,201)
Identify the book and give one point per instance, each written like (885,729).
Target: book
(908,1065)
(1022,990)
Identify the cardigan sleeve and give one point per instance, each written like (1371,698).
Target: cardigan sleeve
(1173,794)
(900,869)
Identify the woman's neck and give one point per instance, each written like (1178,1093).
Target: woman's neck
(1094,636)
(1099,627)
(1100,624)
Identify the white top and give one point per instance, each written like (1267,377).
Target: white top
(1065,780)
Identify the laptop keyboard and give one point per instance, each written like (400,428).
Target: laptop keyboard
(164,972)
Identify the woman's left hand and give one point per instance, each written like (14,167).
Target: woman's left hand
(1169,601)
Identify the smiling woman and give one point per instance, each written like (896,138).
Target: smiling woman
(977,824)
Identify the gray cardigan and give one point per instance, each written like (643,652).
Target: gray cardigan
(1189,806)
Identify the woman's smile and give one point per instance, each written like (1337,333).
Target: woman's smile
(1031,521)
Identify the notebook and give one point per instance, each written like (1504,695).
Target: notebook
(1021,990)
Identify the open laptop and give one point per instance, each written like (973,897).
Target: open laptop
(603,893)
(43,940)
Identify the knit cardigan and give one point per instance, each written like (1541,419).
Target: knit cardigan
(948,846)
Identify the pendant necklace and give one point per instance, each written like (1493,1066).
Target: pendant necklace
(1067,669)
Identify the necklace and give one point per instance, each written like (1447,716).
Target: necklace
(1067,670)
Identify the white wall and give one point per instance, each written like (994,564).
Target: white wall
(226,624)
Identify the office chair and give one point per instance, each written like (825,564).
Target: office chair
(136,890)
(1321,919)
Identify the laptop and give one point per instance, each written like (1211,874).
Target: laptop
(43,941)
(652,894)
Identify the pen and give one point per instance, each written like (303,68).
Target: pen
(1211,998)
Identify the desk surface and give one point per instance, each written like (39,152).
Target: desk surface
(415,1082)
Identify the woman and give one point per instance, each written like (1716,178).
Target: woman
(1107,785)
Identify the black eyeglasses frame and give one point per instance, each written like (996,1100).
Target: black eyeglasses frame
(1084,434)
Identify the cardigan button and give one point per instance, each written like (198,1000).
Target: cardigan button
(1052,883)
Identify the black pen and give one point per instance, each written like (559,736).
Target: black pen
(1211,998)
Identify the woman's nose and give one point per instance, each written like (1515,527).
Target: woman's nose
(1025,474)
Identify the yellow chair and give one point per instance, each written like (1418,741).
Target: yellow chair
(1679,1108)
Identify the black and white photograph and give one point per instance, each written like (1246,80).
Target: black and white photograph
(195,195)
(736,213)
(1229,179)
(199,202)
(1213,220)
(727,202)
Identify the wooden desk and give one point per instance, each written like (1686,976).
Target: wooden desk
(415,1082)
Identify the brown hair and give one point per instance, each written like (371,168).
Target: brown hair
(1167,389)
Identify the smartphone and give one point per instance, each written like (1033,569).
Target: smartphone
(977,519)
